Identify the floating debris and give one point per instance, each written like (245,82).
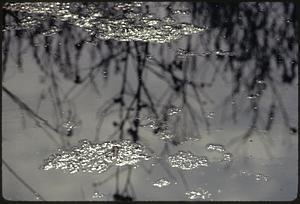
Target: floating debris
(199,193)
(88,157)
(161,183)
(187,160)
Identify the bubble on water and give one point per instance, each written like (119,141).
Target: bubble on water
(215,147)
(162,182)
(199,193)
(257,176)
(149,57)
(227,157)
(293,130)
(261,177)
(69,125)
(251,96)
(169,19)
(173,110)
(51,31)
(245,173)
(146,30)
(211,115)
(166,135)
(187,161)
(181,12)
(181,53)
(105,74)
(193,139)
(97,195)
(89,157)
(37,196)
(260,81)
(224,53)
(288,20)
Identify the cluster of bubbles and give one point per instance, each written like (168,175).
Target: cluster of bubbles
(161,183)
(256,176)
(51,31)
(186,160)
(199,193)
(97,195)
(166,127)
(88,157)
(147,29)
(182,53)
(181,12)
(165,131)
(132,26)
(70,125)
(219,148)
(215,147)
(211,115)
(173,110)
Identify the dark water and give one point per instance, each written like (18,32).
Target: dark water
(149,101)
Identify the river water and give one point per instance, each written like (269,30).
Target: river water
(148,101)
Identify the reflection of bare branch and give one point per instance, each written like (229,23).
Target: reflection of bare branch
(280,102)
(30,112)
(251,129)
(35,193)
(93,71)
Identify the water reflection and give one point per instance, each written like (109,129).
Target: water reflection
(161,63)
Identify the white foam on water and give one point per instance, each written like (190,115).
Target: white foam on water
(186,160)
(88,157)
